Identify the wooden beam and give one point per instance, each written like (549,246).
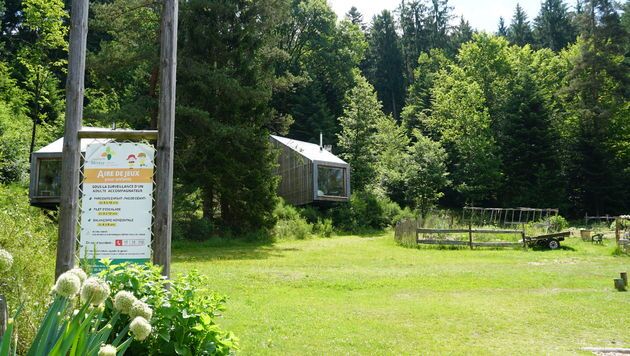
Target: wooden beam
(71,145)
(4,315)
(442,242)
(120,134)
(462,231)
(165,142)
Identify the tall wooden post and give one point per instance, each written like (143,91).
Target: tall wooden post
(71,145)
(165,143)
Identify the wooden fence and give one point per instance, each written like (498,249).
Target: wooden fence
(408,233)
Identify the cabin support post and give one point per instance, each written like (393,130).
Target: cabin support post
(165,142)
(71,145)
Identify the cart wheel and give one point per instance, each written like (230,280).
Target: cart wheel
(553,244)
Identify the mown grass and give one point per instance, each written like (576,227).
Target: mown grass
(366,295)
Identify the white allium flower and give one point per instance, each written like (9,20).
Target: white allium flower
(79,273)
(94,290)
(140,328)
(68,285)
(6,260)
(123,301)
(140,308)
(107,350)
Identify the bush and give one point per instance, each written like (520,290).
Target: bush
(184,316)
(367,210)
(324,227)
(29,235)
(558,223)
(290,225)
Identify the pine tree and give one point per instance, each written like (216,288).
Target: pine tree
(596,88)
(385,63)
(502,30)
(553,28)
(520,33)
(413,20)
(225,82)
(356,18)
(362,112)
(531,169)
(461,34)
(440,15)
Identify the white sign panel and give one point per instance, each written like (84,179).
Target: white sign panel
(117,202)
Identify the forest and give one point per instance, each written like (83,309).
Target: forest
(428,111)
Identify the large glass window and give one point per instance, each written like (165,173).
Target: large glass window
(331,181)
(49,178)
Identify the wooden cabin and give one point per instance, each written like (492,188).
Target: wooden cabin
(310,173)
(45,180)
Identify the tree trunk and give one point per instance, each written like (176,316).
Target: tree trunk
(208,204)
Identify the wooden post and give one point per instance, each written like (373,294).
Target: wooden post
(619,285)
(470,242)
(71,145)
(165,143)
(617,229)
(624,277)
(4,315)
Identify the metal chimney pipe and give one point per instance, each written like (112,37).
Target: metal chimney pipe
(321,141)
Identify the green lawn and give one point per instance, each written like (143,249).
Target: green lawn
(365,295)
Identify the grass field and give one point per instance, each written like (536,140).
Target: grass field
(365,295)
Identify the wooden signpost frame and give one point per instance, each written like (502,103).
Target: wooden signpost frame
(73,134)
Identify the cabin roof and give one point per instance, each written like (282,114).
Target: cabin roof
(57,146)
(309,150)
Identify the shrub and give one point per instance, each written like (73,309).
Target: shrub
(290,224)
(558,223)
(183,317)
(29,235)
(323,227)
(367,210)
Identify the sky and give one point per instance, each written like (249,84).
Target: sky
(482,14)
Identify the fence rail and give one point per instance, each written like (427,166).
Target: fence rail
(408,233)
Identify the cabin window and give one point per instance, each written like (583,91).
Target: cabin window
(49,178)
(331,181)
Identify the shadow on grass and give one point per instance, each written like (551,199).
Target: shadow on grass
(545,249)
(365,232)
(226,249)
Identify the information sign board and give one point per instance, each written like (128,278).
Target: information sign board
(116,209)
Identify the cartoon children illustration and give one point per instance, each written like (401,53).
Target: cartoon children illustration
(131,159)
(142,159)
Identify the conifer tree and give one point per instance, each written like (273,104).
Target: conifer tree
(520,33)
(553,28)
(385,63)
(502,30)
(461,34)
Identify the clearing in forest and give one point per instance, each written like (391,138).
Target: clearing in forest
(350,294)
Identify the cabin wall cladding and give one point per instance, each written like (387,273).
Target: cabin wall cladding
(296,176)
